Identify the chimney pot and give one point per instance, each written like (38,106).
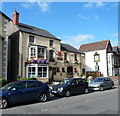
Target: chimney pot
(16,18)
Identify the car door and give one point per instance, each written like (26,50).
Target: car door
(81,85)
(17,93)
(109,82)
(106,83)
(74,87)
(32,90)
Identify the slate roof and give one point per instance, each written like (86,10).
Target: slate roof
(116,49)
(5,15)
(36,31)
(69,48)
(101,45)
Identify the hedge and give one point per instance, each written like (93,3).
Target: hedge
(27,79)
(3,82)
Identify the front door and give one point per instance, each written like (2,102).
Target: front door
(70,70)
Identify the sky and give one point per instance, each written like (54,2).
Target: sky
(75,23)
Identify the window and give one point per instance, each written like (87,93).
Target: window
(33,52)
(42,72)
(75,56)
(51,58)
(31,72)
(58,69)
(63,69)
(51,43)
(65,56)
(41,52)
(21,85)
(32,84)
(31,39)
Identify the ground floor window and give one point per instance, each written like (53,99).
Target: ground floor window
(37,71)
(31,71)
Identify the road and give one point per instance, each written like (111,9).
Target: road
(105,102)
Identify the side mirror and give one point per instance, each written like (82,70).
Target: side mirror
(105,81)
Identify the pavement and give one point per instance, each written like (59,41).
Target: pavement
(99,102)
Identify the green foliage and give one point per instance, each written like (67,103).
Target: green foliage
(101,75)
(92,74)
(81,75)
(3,82)
(27,79)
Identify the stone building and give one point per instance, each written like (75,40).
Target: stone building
(35,52)
(3,45)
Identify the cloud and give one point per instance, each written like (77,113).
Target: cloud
(77,40)
(82,16)
(43,6)
(26,5)
(100,4)
(94,4)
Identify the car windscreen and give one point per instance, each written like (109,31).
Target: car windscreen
(8,86)
(65,81)
(98,80)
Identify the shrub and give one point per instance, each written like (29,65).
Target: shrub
(81,75)
(101,75)
(27,79)
(3,82)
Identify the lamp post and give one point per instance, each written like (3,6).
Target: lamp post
(96,59)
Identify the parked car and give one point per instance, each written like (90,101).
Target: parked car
(70,86)
(101,83)
(23,91)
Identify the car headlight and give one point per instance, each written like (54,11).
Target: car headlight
(50,88)
(60,89)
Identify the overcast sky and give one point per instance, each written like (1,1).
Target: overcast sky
(74,23)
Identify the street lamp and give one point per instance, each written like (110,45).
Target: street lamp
(97,59)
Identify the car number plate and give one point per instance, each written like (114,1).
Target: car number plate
(54,91)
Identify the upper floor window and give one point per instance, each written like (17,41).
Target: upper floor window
(75,56)
(36,52)
(31,39)
(33,52)
(65,56)
(51,43)
(41,52)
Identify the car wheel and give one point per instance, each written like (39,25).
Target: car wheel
(67,93)
(86,90)
(3,103)
(43,97)
(112,86)
(101,88)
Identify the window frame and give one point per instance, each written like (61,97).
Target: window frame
(33,37)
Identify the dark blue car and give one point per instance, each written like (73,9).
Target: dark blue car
(23,91)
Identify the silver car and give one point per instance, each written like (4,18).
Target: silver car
(101,83)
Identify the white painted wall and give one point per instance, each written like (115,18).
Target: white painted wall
(90,64)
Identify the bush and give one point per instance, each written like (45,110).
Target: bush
(81,75)
(27,79)
(3,82)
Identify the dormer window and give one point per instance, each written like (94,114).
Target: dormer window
(31,39)
(51,43)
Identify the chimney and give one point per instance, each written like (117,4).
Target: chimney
(16,18)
